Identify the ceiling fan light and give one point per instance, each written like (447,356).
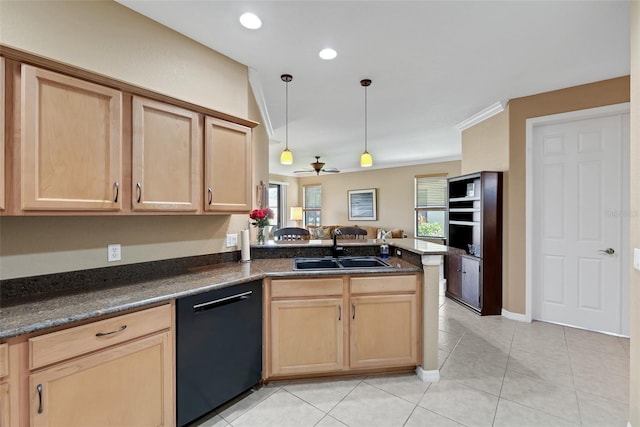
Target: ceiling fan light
(366,160)
(286,157)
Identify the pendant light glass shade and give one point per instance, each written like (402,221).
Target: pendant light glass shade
(286,157)
(365,159)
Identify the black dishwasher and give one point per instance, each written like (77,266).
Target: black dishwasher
(218,348)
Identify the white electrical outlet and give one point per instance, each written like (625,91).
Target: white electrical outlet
(113,253)
(232,240)
(636,258)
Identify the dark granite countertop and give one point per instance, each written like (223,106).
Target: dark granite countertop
(39,315)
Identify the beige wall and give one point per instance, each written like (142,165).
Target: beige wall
(485,147)
(395,193)
(634,282)
(107,38)
(592,95)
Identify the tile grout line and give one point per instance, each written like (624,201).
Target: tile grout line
(504,375)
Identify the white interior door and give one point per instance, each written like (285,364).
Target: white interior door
(577,223)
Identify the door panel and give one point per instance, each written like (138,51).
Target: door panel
(577,205)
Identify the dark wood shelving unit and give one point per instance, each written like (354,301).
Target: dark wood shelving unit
(474,224)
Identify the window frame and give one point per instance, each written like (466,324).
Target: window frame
(436,208)
(306,209)
(281,187)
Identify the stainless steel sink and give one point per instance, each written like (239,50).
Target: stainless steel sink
(340,262)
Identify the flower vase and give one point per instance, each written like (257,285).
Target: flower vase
(261,235)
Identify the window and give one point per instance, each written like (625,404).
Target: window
(430,206)
(277,203)
(312,204)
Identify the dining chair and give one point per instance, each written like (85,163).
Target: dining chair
(292,233)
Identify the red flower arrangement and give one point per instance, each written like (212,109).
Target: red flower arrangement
(261,217)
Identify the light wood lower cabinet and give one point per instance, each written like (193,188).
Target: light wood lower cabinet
(4,386)
(339,325)
(124,383)
(383,331)
(317,327)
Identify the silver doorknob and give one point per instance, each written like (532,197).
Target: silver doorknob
(608,251)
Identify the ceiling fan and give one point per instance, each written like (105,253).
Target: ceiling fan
(318,167)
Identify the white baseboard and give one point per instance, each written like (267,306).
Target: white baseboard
(515,316)
(432,376)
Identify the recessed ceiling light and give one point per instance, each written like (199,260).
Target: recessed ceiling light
(250,21)
(328,53)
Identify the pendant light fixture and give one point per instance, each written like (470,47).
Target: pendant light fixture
(365,159)
(286,157)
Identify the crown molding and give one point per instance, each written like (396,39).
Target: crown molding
(483,115)
(258,94)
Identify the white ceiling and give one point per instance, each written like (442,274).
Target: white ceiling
(433,65)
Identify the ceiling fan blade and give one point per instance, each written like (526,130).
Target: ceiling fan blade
(333,170)
(304,171)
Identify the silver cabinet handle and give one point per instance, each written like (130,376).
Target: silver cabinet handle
(339,312)
(103,334)
(353,308)
(139,190)
(116,186)
(39,389)
(210,191)
(608,251)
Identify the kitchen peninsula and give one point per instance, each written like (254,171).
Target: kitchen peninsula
(28,322)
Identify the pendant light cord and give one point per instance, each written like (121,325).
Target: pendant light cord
(286,115)
(365,118)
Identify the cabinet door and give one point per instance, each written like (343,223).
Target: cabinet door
(4,405)
(307,336)
(130,384)
(166,157)
(2,136)
(454,273)
(384,331)
(71,138)
(227,169)
(471,281)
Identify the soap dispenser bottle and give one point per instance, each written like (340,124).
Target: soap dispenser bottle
(384,250)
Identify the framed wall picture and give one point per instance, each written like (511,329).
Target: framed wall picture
(362,205)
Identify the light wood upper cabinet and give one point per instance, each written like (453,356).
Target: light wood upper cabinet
(71,136)
(167,153)
(227,170)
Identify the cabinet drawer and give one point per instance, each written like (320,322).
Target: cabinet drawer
(72,342)
(4,360)
(381,284)
(283,288)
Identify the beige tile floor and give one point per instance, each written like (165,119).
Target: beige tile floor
(494,372)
